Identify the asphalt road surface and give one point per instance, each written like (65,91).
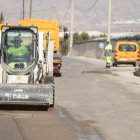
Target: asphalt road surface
(92,103)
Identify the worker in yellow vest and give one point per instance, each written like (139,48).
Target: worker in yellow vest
(108,50)
(17,54)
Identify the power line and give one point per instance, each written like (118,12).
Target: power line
(40,13)
(9,11)
(104,15)
(25,14)
(57,15)
(87,10)
(34,11)
(10,14)
(28,12)
(15,4)
(13,15)
(120,14)
(67,11)
(43,10)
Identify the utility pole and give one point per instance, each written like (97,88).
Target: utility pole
(30,9)
(109,20)
(23,9)
(71,34)
(54,13)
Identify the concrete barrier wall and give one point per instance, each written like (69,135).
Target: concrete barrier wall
(89,49)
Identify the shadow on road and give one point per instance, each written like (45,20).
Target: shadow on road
(119,66)
(24,108)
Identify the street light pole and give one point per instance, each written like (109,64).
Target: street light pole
(109,20)
(71,34)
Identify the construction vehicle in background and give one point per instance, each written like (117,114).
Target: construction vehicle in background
(26,76)
(52,26)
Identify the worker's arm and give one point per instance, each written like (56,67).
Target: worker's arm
(110,49)
(26,51)
(103,50)
(10,50)
(110,52)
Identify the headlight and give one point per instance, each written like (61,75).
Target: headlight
(4,28)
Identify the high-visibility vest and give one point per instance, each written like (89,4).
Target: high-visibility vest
(22,50)
(107,49)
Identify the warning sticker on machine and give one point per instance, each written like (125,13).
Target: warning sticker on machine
(20,96)
(18,90)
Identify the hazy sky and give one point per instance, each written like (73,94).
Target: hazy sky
(121,9)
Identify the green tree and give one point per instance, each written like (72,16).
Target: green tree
(1,18)
(76,37)
(85,36)
(103,35)
(93,37)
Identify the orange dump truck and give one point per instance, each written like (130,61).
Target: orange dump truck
(52,26)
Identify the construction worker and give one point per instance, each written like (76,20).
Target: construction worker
(17,54)
(108,50)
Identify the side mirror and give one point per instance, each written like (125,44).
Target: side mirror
(65,29)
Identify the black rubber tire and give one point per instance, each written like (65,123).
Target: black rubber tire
(134,65)
(59,74)
(114,65)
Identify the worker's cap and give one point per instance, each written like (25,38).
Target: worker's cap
(17,39)
(107,41)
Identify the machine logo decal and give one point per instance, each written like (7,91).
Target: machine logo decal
(8,95)
(20,96)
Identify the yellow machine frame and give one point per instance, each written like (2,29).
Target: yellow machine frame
(45,25)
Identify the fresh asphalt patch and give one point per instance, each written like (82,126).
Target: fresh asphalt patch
(100,72)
